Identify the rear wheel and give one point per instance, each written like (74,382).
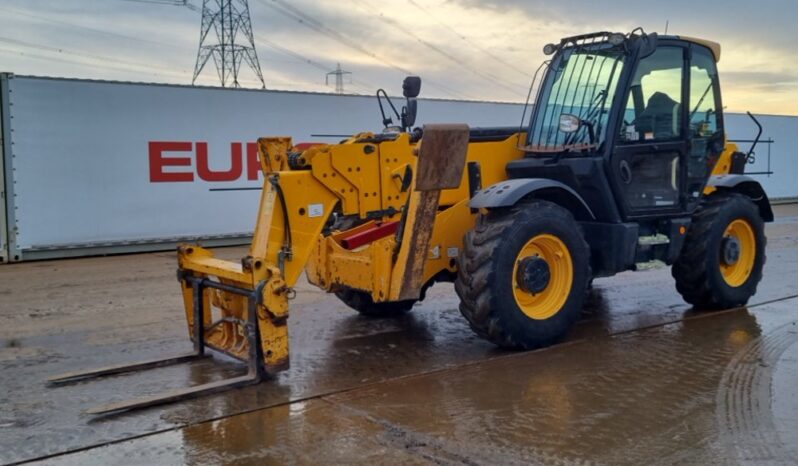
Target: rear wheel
(365,305)
(721,262)
(522,275)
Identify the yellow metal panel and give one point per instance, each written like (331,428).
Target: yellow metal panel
(493,158)
(219,268)
(344,189)
(309,204)
(447,238)
(273,153)
(263,222)
(358,164)
(274,343)
(394,157)
(367,268)
(723,165)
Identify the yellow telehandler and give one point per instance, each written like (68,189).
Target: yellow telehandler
(623,164)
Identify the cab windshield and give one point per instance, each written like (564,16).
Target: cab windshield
(581,82)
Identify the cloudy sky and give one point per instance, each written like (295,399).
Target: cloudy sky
(475,49)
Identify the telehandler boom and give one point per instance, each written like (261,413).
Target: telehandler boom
(623,164)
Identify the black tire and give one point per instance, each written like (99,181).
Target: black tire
(365,305)
(697,270)
(485,268)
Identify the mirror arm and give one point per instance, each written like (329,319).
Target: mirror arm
(390,102)
(386,120)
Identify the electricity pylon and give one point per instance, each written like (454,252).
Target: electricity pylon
(339,78)
(224,21)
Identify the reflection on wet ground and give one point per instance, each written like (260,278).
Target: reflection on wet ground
(698,391)
(641,379)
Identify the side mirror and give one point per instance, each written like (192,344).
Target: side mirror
(648,45)
(411,86)
(409,113)
(569,123)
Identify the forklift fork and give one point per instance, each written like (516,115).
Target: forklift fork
(255,373)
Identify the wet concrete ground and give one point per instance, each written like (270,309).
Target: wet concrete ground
(642,379)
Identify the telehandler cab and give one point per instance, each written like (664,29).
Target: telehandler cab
(623,164)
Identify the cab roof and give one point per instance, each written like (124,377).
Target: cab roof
(713,46)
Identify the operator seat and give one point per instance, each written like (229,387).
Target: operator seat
(660,117)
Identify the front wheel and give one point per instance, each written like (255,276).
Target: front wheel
(522,275)
(721,262)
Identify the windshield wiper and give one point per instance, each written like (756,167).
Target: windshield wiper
(700,101)
(590,119)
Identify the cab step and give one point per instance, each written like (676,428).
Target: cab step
(650,265)
(653,240)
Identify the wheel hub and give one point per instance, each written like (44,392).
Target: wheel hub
(730,250)
(533,274)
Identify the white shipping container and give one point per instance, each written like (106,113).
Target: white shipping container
(4,136)
(98,167)
(94,167)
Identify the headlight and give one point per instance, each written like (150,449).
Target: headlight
(569,123)
(616,38)
(549,49)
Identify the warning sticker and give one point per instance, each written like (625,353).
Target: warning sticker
(315,210)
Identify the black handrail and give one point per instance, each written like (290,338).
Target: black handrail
(756,140)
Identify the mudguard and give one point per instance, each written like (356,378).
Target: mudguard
(746,185)
(508,193)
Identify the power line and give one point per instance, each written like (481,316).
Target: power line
(288,10)
(368,87)
(60,50)
(495,80)
(184,3)
(173,75)
(304,59)
(469,41)
(87,28)
(83,63)
(310,22)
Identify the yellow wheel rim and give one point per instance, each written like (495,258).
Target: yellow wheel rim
(737,273)
(549,301)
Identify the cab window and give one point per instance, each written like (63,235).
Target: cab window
(654,102)
(703,78)
(706,131)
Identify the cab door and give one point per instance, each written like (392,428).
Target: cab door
(649,156)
